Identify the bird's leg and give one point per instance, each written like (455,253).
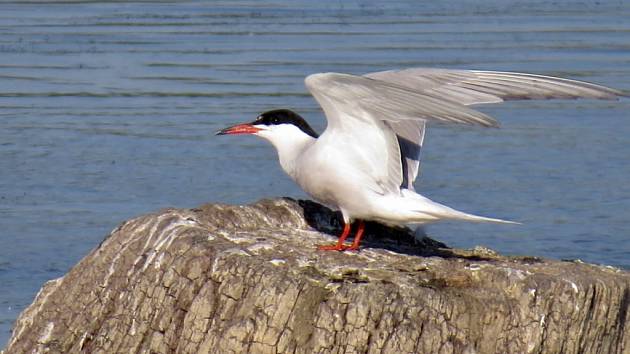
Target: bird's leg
(339,246)
(357,237)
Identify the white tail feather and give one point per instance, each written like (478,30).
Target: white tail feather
(426,207)
(458,215)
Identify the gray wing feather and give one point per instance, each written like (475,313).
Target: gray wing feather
(470,87)
(410,136)
(383,100)
(407,99)
(405,111)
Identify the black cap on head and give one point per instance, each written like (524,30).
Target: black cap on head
(285,116)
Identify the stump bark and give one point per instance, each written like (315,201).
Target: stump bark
(247,279)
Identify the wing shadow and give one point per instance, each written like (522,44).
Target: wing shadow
(396,239)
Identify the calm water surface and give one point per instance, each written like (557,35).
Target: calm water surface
(107,111)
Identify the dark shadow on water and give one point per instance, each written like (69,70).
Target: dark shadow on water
(396,239)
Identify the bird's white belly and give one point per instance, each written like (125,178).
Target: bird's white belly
(329,180)
(356,203)
(329,186)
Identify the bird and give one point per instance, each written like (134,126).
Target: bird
(365,162)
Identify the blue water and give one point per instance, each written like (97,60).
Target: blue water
(107,111)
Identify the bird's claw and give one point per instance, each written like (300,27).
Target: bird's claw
(338,247)
(335,247)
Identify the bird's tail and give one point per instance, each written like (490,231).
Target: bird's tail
(441,212)
(458,215)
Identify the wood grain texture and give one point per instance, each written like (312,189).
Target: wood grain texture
(247,279)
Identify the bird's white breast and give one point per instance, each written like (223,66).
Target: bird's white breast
(343,171)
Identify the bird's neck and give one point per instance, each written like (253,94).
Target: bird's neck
(290,150)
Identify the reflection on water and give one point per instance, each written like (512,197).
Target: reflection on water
(108,111)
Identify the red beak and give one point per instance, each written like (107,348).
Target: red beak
(246,128)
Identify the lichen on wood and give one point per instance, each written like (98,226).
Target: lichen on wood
(221,279)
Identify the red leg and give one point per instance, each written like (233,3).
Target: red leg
(339,246)
(357,237)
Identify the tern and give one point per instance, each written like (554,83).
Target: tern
(366,160)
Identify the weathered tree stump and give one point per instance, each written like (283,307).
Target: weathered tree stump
(223,279)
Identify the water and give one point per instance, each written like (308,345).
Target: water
(107,111)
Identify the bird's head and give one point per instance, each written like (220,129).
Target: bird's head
(278,126)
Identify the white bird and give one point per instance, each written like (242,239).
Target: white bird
(365,162)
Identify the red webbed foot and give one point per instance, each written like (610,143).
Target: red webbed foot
(340,246)
(335,247)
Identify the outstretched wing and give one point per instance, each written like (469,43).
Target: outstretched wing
(343,94)
(364,112)
(406,99)
(470,87)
